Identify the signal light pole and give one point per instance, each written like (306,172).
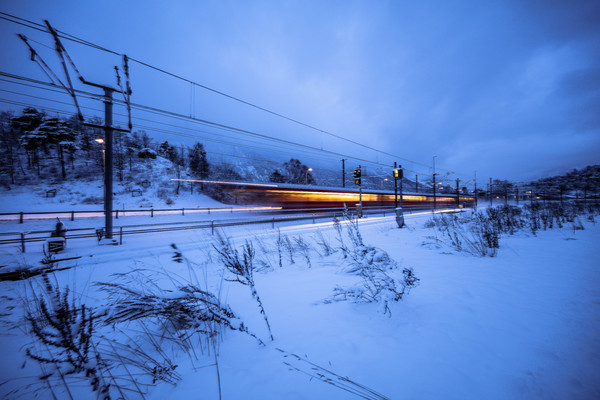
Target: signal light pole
(476,195)
(434,184)
(398,175)
(358,181)
(395,185)
(457,194)
(416,183)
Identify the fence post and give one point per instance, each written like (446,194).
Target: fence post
(152,212)
(212,227)
(208,210)
(22,242)
(120,234)
(21,217)
(117,214)
(313,218)
(273,223)
(183,211)
(72,215)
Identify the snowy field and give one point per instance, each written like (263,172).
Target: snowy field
(524,324)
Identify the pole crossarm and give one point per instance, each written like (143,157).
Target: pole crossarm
(103,126)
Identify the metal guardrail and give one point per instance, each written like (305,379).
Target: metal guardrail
(116,213)
(21,215)
(21,238)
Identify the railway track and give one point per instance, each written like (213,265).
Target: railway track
(270,218)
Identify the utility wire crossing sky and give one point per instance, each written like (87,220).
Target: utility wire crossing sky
(511,89)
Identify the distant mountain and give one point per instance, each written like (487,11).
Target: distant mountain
(577,182)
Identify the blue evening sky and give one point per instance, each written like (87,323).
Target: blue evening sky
(508,88)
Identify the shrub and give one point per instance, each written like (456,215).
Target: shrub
(92,200)
(371,265)
(480,233)
(147,153)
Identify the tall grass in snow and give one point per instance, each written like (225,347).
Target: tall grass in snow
(479,233)
(242,268)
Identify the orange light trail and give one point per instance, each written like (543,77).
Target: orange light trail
(224,182)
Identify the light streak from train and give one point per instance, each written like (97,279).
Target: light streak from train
(224,182)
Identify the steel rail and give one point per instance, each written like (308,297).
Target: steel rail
(125,230)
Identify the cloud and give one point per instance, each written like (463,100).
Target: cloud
(473,82)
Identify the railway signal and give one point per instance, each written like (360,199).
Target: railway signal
(399,173)
(398,176)
(434,187)
(357,176)
(357,181)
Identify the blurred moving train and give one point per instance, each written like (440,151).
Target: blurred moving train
(289,196)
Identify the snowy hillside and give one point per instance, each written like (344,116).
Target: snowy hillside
(151,187)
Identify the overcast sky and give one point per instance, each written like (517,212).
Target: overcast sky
(508,88)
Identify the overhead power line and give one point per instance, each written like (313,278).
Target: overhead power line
(67,36)
(214,125)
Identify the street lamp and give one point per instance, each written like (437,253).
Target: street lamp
(306,176)
(101,141)
(384,180)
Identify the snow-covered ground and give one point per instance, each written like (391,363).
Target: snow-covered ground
(524,324)
(88,196)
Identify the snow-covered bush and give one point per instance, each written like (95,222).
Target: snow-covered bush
(476,234)
(374,266)
(92,200)
(376,286)
(147,153)
(479,233)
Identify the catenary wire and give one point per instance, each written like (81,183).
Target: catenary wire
(33,25)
